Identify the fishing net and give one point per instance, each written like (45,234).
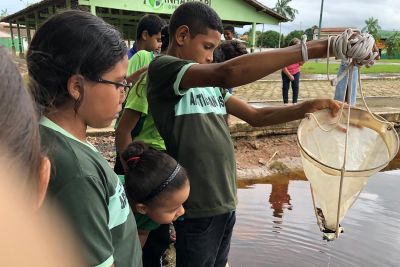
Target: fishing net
(339,154)
(371,144)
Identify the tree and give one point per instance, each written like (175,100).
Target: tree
(268,39)
(291,35)
(282,7)
(393,45)
(372,26)
(3,13)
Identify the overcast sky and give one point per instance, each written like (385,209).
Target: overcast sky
(337,13)
(340,13)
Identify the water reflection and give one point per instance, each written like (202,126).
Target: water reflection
(284,232)
(279,198)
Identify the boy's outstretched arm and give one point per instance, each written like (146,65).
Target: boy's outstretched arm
(249,68)
(258,117)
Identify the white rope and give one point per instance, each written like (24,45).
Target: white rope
(304,52)
(356,49)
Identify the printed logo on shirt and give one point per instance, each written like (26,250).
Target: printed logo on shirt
(118,207)
(201,101)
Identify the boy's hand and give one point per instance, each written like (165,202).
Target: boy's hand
(291,77)
(318,104)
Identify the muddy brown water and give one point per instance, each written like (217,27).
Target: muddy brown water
(276,225)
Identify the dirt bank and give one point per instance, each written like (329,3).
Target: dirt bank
(255,157)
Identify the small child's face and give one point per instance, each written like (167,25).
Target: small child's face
(169,208)
(200,48)
(228,35)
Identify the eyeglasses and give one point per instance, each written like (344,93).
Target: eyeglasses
(125,85)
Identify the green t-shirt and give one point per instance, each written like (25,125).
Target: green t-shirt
(139,60)
(143,222)
(148,133)
(92,198)
(191,122)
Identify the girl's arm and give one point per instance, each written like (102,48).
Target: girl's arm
(134,77)
(288,74)
(127,123)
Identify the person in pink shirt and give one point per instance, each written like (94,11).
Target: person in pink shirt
(291,75)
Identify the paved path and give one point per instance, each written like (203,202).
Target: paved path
(271,90)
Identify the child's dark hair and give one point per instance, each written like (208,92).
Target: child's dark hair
(72,42)
(197,16)
(229,28)
(294,41)
(19,135)
(150,23)
(228,50)
(150,173)
(164,38)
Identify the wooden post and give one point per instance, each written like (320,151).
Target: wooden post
(28,31)
(12,40)
(253,37)
(36,20)
(21,54)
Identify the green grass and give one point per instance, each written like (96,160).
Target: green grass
(320,68)
(390,60)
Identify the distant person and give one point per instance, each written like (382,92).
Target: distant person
(226,51)
(291,76)
(342,91)
(229,33)
(164,40)
(77,66)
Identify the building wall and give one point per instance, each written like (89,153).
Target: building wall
(6,42)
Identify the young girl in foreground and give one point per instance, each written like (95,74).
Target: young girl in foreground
(156,186)
(77,67)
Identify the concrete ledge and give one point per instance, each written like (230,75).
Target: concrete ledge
(242,129)
(387,107)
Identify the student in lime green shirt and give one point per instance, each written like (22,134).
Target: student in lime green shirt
(137,124)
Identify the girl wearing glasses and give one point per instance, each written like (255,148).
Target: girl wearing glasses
(77,67)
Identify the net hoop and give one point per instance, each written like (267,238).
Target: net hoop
(359,117)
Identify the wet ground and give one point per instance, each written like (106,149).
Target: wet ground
(276,226)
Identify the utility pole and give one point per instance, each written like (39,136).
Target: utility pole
(280,30)
(320,18)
